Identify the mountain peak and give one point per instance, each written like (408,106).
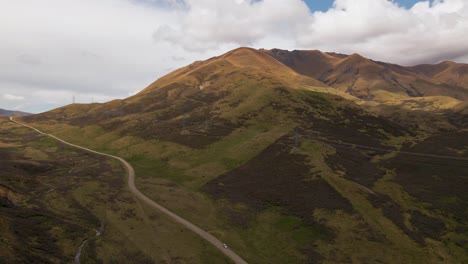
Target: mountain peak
(240,50)
(356,58)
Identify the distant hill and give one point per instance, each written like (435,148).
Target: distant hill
(373,80)
(446,72)
(4,112)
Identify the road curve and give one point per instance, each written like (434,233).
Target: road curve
(131,184)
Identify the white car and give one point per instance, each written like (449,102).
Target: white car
(225,246)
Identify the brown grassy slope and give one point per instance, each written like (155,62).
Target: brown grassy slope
(239,58)
(362,77)
(200,92)
(447,72)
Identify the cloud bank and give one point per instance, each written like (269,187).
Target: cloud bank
(380,29)
(101,50)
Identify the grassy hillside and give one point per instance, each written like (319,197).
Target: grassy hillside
(52,197)
(261,157)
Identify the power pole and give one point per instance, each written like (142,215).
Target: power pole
(73,99)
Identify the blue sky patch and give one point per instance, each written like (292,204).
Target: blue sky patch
(324,5)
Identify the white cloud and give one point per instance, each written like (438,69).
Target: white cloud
(13,97)
(108,49)
(207,24)
(382,30)
(81,47)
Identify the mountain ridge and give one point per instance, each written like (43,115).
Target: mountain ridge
(360,76)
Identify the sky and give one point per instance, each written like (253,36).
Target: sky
(96,51)
(324,5)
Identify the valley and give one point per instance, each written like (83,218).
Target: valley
(287,157)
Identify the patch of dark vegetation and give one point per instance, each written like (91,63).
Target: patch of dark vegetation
(414,120)
(235,104)
(5,202)
(288,183)
(37,230)
(190,131)
(312,256)
(240,218)
(250,117)
(18,176)
(451,143)
(462,241)
(394,212)
(30,167)
(346,123)
(187,104)
(35,242)
(157,99)
(365,119)
(356,164)
(278,178)
(426,225)
(458,119)
(439,181)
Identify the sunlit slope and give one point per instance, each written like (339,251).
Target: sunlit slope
(244,76)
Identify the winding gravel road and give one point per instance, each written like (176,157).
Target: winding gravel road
(131,184)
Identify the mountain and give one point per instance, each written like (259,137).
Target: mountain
(294,157)
(373,80)
(4,112)
(447,72)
